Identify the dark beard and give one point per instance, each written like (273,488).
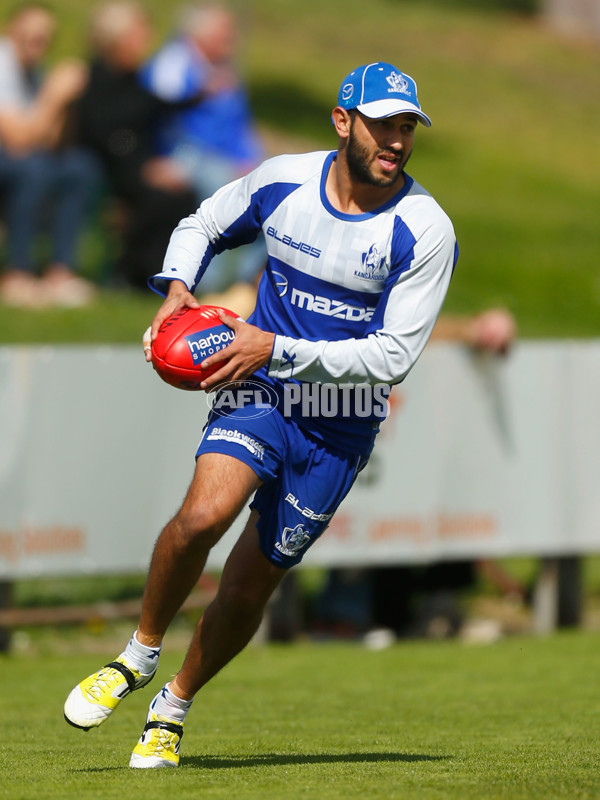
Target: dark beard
(357,158)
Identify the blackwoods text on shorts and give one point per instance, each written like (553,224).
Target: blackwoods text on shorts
(327,400)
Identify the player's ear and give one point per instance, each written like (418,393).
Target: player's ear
(342,122)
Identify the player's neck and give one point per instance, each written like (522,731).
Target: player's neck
(354,197)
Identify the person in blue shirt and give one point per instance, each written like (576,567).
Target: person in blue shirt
(214,140)
(360,257)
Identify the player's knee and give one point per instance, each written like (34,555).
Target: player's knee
(199,528)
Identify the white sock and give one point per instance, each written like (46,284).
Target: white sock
(142,658)
(167,704)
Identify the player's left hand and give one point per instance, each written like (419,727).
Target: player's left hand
(178,297)
(250,350)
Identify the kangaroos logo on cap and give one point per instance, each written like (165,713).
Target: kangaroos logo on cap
(398,83)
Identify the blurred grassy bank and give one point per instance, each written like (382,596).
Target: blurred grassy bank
(512,156)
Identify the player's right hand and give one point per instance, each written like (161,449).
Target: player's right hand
(179,297)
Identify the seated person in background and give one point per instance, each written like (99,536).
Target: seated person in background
(214,139)
(39,174)
(117,118)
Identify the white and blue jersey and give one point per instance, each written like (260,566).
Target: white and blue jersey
(352,299)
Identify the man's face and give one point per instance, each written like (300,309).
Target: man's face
(32,32)
(218,39)
(378,149)
(131,46)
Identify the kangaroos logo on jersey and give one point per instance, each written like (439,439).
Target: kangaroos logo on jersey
(293,540)
(373,264)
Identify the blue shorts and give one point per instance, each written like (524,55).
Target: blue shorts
(304,479)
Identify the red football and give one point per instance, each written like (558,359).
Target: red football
(184,340)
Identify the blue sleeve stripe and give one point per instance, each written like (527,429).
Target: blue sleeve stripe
(403,254)
(262,204)
(247,226)
(209,254)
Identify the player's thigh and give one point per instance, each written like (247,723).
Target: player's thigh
(220,488)
(249,578)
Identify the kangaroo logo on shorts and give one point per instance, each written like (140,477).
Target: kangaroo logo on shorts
(293,540)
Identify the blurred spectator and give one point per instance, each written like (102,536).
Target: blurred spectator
(492,331)
(117,117)
(214,139)
(41,179)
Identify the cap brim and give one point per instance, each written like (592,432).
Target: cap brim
(380,109)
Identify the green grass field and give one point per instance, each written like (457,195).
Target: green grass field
(518,719)
(513,159)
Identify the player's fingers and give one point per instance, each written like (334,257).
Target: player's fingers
(221,376)
(170,306)
(164,312)
(156,323)
(231,368)
(147,343)
(231,322)
(191,301)
(222,357)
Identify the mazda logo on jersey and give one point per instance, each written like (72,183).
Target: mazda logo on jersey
(281,283)
(330,308)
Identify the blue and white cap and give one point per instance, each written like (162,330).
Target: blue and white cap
(381,90)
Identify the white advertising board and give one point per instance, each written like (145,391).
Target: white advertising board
(480,457)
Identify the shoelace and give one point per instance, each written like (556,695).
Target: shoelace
(164,742)
(106,680)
